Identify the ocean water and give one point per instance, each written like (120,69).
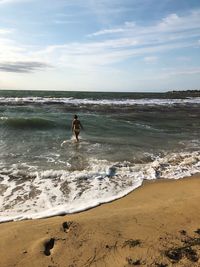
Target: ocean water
(127,138)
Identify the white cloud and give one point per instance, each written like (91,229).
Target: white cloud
(175,23)
(11,51)
(107,31)
(62,21)
(12,1)
(84,56)
(172,23)
(124,28)
(130,40)
(184,59)
(183,71)
(150,59)
(90,56)
(167,34)
(5,31)
(170,20)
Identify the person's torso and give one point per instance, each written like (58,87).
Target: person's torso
(76,124)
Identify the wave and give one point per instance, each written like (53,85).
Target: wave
(27,193)
(104,102)
(37,123)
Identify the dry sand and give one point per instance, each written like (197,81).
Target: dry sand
(156,225)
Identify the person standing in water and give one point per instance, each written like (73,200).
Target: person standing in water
(76,127)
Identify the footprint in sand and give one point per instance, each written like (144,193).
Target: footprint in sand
(66,226)
(48,245)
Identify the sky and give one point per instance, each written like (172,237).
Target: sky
(100,45)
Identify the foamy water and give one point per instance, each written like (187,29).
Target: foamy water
(33,194)
(106,102)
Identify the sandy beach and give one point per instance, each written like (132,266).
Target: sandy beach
(156,225)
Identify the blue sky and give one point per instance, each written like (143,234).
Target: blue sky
(100,45)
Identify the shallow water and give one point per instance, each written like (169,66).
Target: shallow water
(127,138)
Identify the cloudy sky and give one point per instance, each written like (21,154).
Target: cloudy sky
(100,45)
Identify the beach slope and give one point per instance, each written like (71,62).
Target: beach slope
(156,225)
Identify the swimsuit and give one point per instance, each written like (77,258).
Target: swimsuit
(77,131)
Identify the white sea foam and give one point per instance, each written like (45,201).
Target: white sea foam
(28,194)
(3,118)
(86,101)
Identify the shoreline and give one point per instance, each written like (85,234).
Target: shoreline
(41,215)
(140,227)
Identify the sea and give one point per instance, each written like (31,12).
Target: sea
(126,138)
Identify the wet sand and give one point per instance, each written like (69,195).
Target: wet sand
(156,225)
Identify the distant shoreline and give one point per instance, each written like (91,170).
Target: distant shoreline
(191,91)
(184,91)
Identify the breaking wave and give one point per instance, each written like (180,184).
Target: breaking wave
(87,101)
(21,123)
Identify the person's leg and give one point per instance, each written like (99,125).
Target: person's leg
(76,134)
